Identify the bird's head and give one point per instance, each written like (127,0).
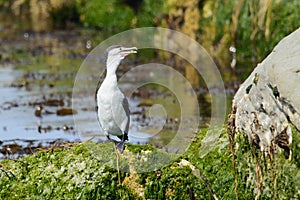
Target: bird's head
(114,54)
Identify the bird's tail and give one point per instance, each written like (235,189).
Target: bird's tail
(120,145)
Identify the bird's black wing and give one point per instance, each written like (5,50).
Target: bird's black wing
(120,109)
(125,105)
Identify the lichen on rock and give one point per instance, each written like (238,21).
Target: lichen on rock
(268,102)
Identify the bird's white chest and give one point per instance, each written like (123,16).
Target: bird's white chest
(106,101)
(105,105)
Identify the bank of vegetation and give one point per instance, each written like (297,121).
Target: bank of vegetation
(253,27)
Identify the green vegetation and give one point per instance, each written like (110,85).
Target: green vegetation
(71,174)
(106,15)
(261,27)
(254,27)
(88,170)
(267,175)
(149,13)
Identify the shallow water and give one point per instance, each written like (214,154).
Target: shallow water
(37,71)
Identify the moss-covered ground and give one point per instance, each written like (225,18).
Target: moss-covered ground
(88,171)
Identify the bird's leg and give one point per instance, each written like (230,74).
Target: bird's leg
(117,162)
(123,140)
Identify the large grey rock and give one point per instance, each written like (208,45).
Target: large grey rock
(268,102)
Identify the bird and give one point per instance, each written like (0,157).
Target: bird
(112,105)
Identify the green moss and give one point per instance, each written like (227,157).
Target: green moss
(139,148)
(279,176)
(71,173)
(88,171)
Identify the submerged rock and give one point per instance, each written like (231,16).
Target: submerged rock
(66,111)
(267,104)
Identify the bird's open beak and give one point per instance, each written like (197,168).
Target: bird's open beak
(126,51)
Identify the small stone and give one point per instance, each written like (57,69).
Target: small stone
(65,111)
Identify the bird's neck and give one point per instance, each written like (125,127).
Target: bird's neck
(110,80)
(112,66)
